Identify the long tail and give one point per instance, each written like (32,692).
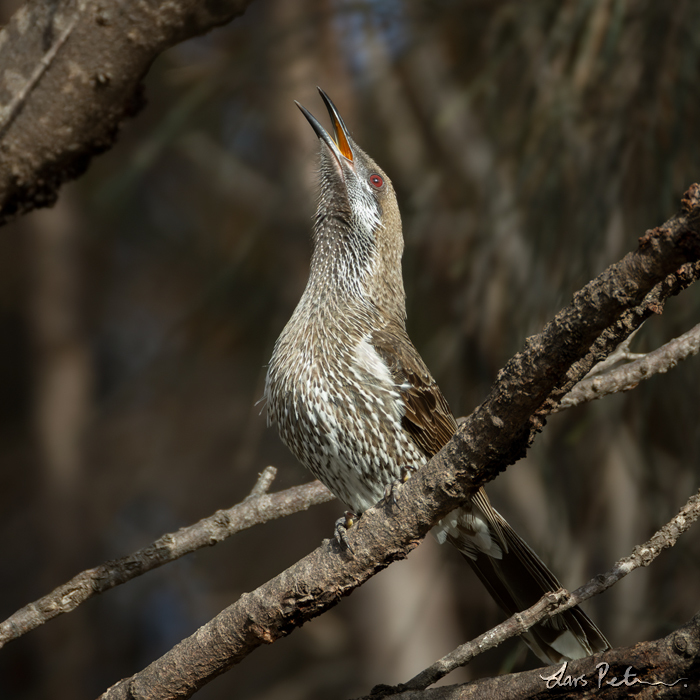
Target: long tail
(517,578)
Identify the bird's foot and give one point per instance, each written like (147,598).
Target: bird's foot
(342,525)
(407,472)
(391,490)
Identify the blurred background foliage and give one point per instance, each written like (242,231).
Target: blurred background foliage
(530,144)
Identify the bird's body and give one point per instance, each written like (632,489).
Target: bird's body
(354,401)
(342,442)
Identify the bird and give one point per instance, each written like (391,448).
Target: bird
(355,403)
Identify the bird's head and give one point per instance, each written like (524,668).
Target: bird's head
(357,231)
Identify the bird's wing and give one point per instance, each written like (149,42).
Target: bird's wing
(514,575)
(428,418)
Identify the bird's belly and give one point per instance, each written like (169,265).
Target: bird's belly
(351,439)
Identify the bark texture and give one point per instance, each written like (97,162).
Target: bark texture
(71,75)
(665,668)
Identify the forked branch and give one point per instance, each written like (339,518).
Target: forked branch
(258,507)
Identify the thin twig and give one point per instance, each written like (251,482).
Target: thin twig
(622,352)
(262,485)
(8,112)
(628,376)
(557,602)
(257,508)
(664,668)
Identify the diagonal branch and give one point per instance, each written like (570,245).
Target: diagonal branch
(666,668)
(258,507)
(628,376)
(598,319)
(225,523)
(60,107)
(556,602)
(495,435)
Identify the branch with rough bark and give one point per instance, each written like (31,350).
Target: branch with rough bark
(71,76)
(667,668)
(603,382)
(499,431)
(558,601)
(259,507)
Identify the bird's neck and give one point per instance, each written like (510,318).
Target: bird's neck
(351,271)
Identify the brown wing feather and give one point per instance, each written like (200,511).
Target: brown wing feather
(428,417)
(518,578)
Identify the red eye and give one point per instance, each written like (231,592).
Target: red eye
(376,180)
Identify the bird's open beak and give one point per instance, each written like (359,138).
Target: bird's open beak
(340,147)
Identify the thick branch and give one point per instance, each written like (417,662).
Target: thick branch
(71,74)
(494,436)
(599,318)
(258,508)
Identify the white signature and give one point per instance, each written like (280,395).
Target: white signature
(561,679)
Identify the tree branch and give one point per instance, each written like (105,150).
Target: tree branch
(599,318)
(556,602)
(628,376)
(496,434)
(257,508)
(71,75)
(667,668)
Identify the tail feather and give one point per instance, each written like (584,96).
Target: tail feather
(517,578)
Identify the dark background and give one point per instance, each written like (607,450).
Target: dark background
(530,144)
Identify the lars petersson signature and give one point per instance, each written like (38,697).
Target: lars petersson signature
(561,679)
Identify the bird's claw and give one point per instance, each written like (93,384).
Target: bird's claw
(342,525)
(406,472)
(391,490)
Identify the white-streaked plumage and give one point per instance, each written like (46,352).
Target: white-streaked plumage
(354,402)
